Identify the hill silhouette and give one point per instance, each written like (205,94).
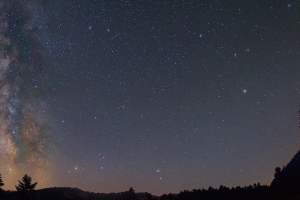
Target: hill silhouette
(287,179)
(285,186)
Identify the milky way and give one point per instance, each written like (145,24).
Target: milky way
(24,136)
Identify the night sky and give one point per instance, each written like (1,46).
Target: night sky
(161,96)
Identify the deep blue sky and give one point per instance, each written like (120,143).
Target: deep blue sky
(171,95)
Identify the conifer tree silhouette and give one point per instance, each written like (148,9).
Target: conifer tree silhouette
(130,194)
(25,184)
(1,182)
(1,190)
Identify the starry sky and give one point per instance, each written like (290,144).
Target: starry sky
(161,96)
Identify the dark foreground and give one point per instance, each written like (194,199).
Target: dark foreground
(256,192)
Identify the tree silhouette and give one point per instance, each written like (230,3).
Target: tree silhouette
(25,184)
(148,196)
(130,194)
(168,197)
(1,182)
(1,190)
(277,172)
(131,190)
